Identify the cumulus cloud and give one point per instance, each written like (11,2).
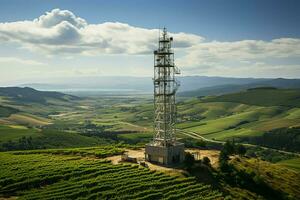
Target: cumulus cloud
(240,57)
(60,31)
(242,50)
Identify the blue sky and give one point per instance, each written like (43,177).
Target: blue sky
(219,37)
(215,19)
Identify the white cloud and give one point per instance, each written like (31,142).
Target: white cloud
(60,31)
(241,57)
(241,51)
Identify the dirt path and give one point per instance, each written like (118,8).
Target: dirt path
(197,136)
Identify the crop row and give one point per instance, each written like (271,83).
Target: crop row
(49,176)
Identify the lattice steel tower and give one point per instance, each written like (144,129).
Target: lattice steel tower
(165,87)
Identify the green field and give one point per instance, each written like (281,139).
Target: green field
(115,122)
(14,132)
(248,113)
(65,174)
(292,164)
(237,115)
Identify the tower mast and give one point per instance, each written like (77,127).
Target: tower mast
(165,86)
(164,148)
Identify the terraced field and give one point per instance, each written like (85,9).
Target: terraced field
(50,174)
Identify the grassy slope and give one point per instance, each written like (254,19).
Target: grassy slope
(28,119)
(242,114)
(46,138)
(293,164)
(14,132)
(262,97)
(31,116)
(109,112)
(58,139)
(280,178)
(7,111)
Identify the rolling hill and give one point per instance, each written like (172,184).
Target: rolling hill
(233,88)
(264,96)
(7,111)
(24,118)
(243,114)
(250,113)
(31,95)
(64,121)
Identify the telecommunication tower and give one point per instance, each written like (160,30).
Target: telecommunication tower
(164,148)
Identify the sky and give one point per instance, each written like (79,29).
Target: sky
(46,40)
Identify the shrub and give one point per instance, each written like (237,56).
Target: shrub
(206,161)
(189,160)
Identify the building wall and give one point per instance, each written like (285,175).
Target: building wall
(165,155)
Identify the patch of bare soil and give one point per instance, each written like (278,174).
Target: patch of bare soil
(213,155)
(140,156)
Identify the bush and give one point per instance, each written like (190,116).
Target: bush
(240,149)
(189,160)
(206,161)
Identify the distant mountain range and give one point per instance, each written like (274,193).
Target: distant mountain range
(31,95)
(232,88)
(189,85)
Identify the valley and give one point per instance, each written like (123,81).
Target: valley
(94,131)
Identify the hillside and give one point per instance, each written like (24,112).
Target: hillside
(252,113)
(97,123)
(25,118)
(82,174)
(263,96)
(88,173)
(281,181)
(7,111)
(31,95)
(233,88)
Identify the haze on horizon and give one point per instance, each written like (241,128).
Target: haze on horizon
(42,41)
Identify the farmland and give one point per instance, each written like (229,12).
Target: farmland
(64,146)
(129,118)
(52,174)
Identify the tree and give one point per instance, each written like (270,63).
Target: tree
(206,161)
(229,147)
(189,160)
(241,149)
(201,143)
